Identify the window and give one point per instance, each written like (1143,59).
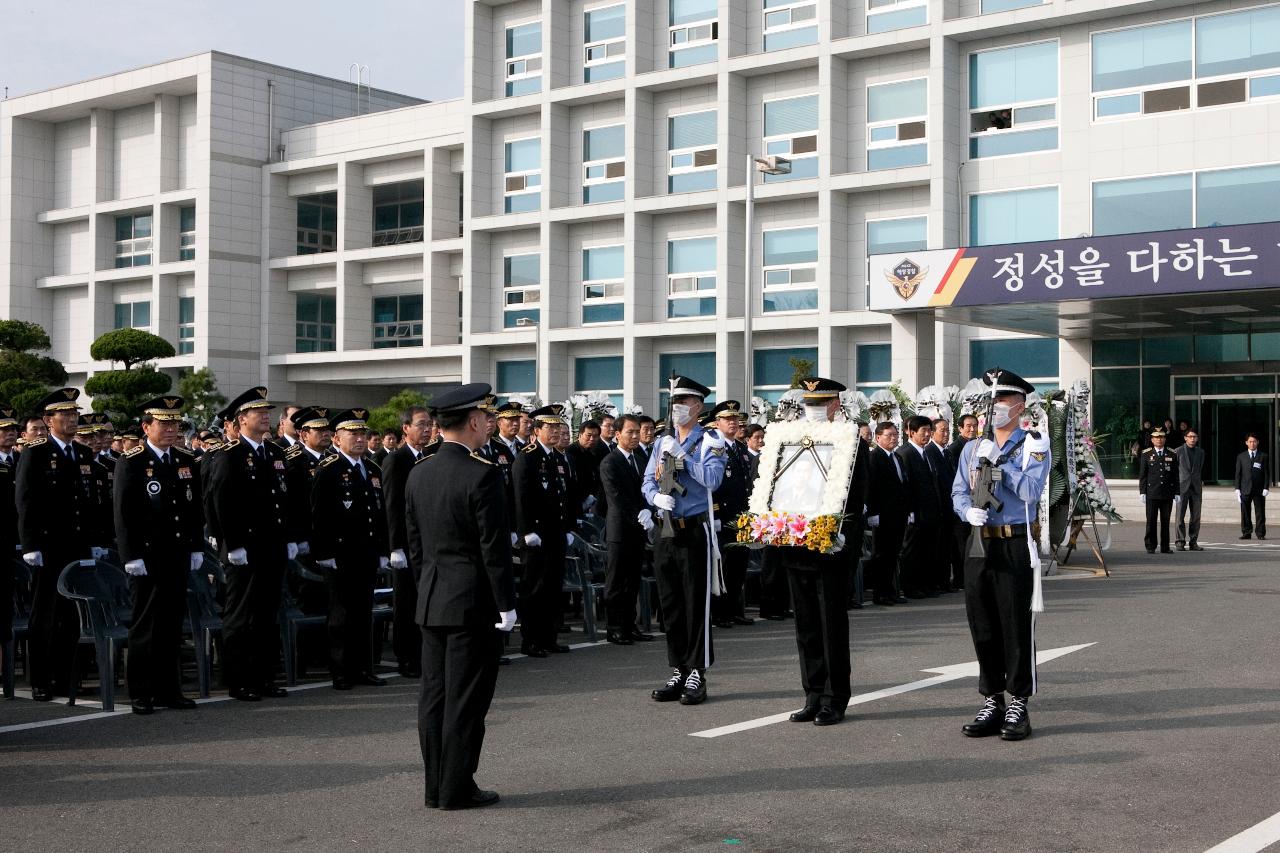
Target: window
(1019,216)
(602,284)
(397,213)
(1013,100)
(316,317)
(1203,199)
(791,131)
(604,165)
(133,315)
(524,59)
(773,370)
(1138,59)
(896,125)
(885,15)
(1237,196)
(989,6)
(317,223)
(604,36)
(522,183)
(397,321)
(1037,358)
(874,368)
(693,32)
(696,365)
(599,373)
(890,236)
(133,240)
(691,147)
(790,23)
(691,277)
(516,377)
(791,270)
(186,233)
(186,325)
(521,289)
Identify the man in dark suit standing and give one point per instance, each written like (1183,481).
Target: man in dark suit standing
(460,545)
(1252,481)
(406,639)
(935,453)
(920,543)
(888,507)
(8,519)
(629,519)
(958,545)
(1190,458)
(584,465)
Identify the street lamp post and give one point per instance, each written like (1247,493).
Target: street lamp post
(524,323)
(772,165)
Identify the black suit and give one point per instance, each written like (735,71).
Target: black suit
(542,495)
(300,471)
(406,639)
(585,467)
(944,472)
(620,481)
(61,514)
(1251,479)
(459,540)
(730,502)
(958,545)
(917,565)
(159,520)
(8,542)
(888,502)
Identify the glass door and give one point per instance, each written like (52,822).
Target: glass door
(1225,423)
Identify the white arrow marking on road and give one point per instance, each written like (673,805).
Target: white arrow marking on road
(944,674)
(1257,837)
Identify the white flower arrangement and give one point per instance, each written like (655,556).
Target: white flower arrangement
(843,439)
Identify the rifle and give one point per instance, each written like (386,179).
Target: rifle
(984,495)
(669,465)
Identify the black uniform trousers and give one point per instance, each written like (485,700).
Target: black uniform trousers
(775,589)
(680,566)
(351,616)
(622,583)
(1157,509)
(733,562)
(541,587)
(884,559)
(155,637)
(997,599)
(820,597)
(958,551)
(54,630)
(459,673)
(1192,500)
(8,583)
(250,622)
(406,638)
(1257,524)
(918,558)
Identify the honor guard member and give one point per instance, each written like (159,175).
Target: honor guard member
(406,638)
(458,537)
(160,526)
(249,496)
(730,501)
(820,582)
(544,526)
(349,541)
(685,553)
(61,518)
(1002,587)
(8,520)
(1157,487)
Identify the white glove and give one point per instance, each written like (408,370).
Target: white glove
(98,553)
(667,502)
(383,562)
(975,516)
(645,517)
(515,539)
(304,548)
(327,564)
(839,544)
(398,560)
(568,540)
(238,557)
(987,450)
(197,560)
(873,521)
(136,568)
(507,620)
(1266,492)
(718,525)
(712,441)
(292,549)
(589,502)
(1238,500)
(1142,498)
(1037,445)
(35,558)
(532,540)
(213,543)
(911,518)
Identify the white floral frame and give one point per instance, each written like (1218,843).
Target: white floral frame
(782,436)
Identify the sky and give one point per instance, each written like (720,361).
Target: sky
(413,47)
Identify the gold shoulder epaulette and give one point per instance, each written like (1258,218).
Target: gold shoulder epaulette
(529,448)
(293,451)
(129,454)
(184,451)
(423,458)
(476,456)
(230,444)
(328,460)
(1149,450)
(35,442)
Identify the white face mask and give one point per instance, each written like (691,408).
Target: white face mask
(1001,415)
(815,414)
(681,414)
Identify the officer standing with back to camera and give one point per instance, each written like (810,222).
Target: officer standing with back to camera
(999,589)
(160,526)
(460,544)
(1157,488)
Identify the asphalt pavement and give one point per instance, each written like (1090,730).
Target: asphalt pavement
(1161,734)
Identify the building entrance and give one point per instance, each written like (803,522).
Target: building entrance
(1225,410)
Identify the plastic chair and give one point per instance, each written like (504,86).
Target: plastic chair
(292,619)
(100,591)
(21,624)
(579,577)
(383,613)
(205,617)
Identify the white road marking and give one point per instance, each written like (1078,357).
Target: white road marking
(943,675)
(1257,837)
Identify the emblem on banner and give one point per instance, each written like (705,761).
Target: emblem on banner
(906,278)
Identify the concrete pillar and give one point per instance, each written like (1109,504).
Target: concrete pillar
(1075,355)
(913,357)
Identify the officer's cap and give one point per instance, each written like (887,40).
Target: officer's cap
(164,408)
(510,410)
(1006,382)
(86,424)
(1158,432)
(728,409)
(254,398)
(350,419)
(104,423)
(683,386)
(461,399)
(8,419)
(311,417)
(553,414)
(63,399)
(132,432)
(489,405)
(820,389)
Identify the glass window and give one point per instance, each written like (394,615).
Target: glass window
(604,164)
(1035,358)
(397,321)
(603,287)
(1225,347)
(317,223)
(1264,346)
(885,15)
(604,43)
(1238,42)
(186,325)
(1142,56)
(1237,196)
(133,315)
(888,236)
(1003,88)
(524,59)
(773,369)
(790,130)
(693,32)
(696,365)
(790,23)
(1142,204)
(1171,350)
(874,366)
(1115,353)
(398,213)
(989,6)
(598,373)
(522,184)
(691,152)
(1019,216)
(691,277)
(521,289)
(896,135)
(316,317)
(133,240)
(790,270)
(1116,414)
(1155,392)
(517,377)
(186,233)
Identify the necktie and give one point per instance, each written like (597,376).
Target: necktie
(360,468)
(262,452)
(896,466)
(635,466)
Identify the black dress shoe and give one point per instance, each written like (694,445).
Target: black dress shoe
(1245,536)
(431,804)
(244,694)
(564,629)
(559,649)
(1017,722)
(370,680)
(914,594)
(271,691)
(619,639)
(342,684)
(1260,536)
(772,617)
(409,671)
(532,651)
(1181,547)
(989,719)
(1151,550)
(180,703)
(142,707)
(670,691)
(1195,547)
(805,714)
(504,661)
(477,800)
(743,620)
(855,605)
(41,694)
(695,688)
(640,636)
(1166,551)
(883,601)
(899,599)
(788,614)
(828,716)
(722,623)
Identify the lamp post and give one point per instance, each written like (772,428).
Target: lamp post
(524,323)
(771,165)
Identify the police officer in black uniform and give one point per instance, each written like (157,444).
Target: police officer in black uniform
(730,502)
(544,525)
(61,518)
(1157,487)
(349,541)
(8,519)
(160,526)
(459,541)
(249,495)
(301,460)
(499,452)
